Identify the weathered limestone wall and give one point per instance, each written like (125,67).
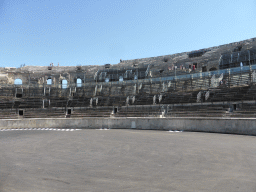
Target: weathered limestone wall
(208,61)
(245,126)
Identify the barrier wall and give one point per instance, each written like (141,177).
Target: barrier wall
(245,126)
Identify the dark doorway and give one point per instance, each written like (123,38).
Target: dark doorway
(204,69)
(69,111)
(20,112)
(18,95)
(213,69)
(115,110)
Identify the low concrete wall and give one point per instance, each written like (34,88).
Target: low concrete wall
(219,125)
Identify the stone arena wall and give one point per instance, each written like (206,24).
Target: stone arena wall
(245,126)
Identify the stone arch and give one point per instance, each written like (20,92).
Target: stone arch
(18,81)
(64,83)
(49,81)
(79,82)
(23,78)
(63,80)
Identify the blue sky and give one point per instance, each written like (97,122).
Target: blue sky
(96,32)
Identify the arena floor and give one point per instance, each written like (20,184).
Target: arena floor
(125,160)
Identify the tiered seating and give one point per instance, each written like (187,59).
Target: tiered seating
(198,111)
(116,101)
(103,101)
(91,112)
(28,103)
(251,93)
(8,114)
(78,102)
(146,89)
(245,110)
(129,90)
(143,100)
(117,90)
(156,88)
(233,94)
(239,80)
(44,113)
(56,102)
(6,104)
(187,97)
(139,111)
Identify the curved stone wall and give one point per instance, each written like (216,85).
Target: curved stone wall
(202,60)
(245,126)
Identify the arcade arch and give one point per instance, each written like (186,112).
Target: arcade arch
(64,83)
(78,82)
(49,81)
(17,82)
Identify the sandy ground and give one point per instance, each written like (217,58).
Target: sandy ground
(126,160)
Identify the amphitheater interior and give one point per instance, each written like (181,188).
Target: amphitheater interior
(213,82)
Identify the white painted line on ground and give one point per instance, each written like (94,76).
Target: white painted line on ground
(103,129)
(42,129)
(175,131)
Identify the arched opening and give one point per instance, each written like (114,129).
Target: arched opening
(107,80)
(165,59)
(79,82)
(17,82)
(213,69)
(49,81)
(64,84)
(121,78)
